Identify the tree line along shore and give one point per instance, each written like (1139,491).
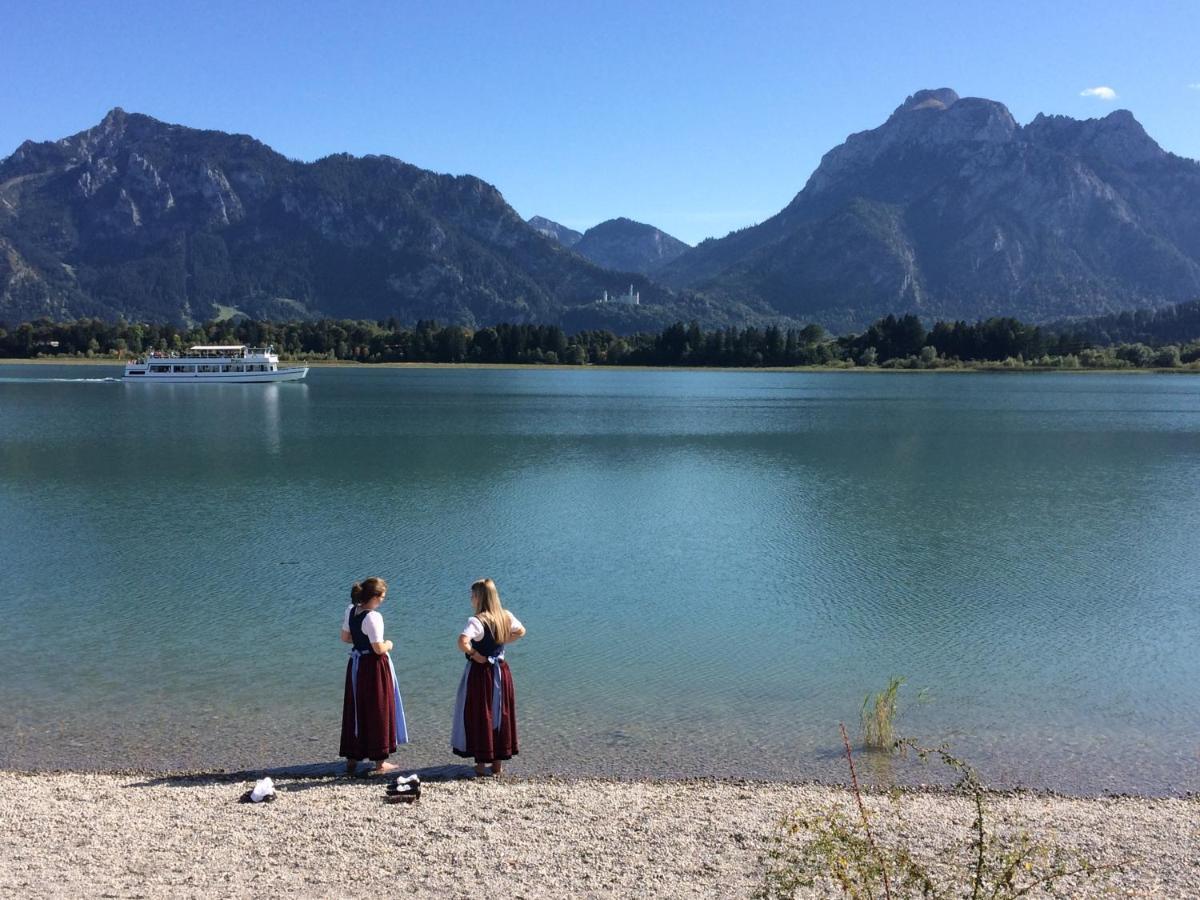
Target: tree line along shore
(1151,341)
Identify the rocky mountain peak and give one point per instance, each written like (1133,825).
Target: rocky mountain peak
(629,246)
(928,123)
(950,208)
(1117,139)
(112,127)
(941,116)
(936,98)
(568,237)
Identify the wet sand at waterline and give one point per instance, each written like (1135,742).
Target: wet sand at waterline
(129,835)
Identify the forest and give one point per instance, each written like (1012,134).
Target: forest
(1170,341)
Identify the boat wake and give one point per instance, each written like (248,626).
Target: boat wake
(60,380)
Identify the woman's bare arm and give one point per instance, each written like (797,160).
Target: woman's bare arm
(382,647)
(347,638)
(464,644)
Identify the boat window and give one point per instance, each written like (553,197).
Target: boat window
(187,369)
(160,368)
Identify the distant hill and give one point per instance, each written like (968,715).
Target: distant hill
(566,236)
(950,209)
(628,246)
(1176,324)
(159,222)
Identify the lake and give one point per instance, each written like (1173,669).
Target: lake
(714,567)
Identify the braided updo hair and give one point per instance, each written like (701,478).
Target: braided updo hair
(367,590)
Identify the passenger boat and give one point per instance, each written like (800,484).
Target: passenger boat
(221,363)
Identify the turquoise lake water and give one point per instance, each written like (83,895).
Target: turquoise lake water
(714,567)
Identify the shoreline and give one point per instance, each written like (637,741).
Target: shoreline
(453,771)
(559,367)
(105,835)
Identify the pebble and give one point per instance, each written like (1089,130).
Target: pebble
(124,835)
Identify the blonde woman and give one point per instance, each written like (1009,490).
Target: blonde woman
(485,712)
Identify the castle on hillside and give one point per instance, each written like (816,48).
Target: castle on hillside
(630,299)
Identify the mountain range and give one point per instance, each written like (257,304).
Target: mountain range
(158,222)
(949,209)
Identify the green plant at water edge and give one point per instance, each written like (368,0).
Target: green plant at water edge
(879,716)
(865,855)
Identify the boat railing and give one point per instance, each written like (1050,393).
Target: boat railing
(240,353)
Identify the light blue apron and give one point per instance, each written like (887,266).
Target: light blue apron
(401,732)
(458,732)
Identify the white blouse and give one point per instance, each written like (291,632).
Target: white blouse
(372,625)
(474,629)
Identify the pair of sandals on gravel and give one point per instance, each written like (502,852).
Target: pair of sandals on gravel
(404,790)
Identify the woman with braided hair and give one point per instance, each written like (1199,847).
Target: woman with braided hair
(373,723)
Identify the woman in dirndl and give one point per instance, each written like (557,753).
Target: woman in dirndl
(372,713)
(485,711)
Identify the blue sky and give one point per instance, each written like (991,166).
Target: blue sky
(696,117)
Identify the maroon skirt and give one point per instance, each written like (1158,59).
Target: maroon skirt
(369,725)
(483,742)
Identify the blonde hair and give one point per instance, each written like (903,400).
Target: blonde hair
(489,611)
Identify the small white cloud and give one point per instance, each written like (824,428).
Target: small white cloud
(1101,93)
(1195,86)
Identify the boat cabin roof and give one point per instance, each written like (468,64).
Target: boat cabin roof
(219,347)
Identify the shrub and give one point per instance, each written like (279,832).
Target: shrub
(843,849)
(1167,358)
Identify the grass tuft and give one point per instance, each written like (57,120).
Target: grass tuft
(879,716)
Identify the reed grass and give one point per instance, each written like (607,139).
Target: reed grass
(879,716)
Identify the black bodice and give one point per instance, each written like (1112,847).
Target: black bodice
(362,643)
(486,645)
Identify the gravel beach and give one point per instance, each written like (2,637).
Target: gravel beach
(138,836)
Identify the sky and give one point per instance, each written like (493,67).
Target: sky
(698,118)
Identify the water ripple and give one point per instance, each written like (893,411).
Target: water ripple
(715,567)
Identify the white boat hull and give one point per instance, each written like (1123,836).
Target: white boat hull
(292,373)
